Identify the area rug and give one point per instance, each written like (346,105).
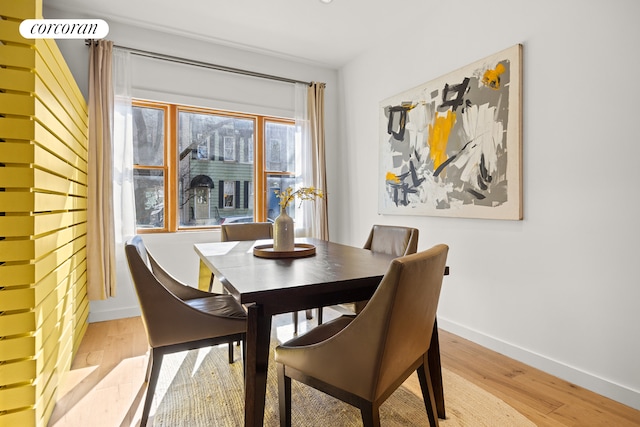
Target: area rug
(200,388)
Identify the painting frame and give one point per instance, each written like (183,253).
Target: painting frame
(452,147)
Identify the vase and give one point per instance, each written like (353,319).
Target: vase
(283,234)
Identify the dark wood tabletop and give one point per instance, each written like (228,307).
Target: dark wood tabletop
(334,267)
(335,274)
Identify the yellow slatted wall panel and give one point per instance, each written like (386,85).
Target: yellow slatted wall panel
(43,190)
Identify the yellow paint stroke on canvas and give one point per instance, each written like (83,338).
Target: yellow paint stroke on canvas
(439,137)
(392,177)
(491,78)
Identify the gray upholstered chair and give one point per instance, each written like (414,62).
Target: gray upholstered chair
(363,359)
(177,317)
(387,239)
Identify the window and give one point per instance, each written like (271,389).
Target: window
(281,164)
(197,167)
(229,194)
(229,149)
(150,166)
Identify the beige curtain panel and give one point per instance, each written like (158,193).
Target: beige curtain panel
(101,270)
(315,99)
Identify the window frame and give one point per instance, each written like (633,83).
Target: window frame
(167,161)
(266,173)
(171,173)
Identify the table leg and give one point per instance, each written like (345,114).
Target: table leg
(258,337)
(435,369)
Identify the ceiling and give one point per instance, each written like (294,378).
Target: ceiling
(304,30)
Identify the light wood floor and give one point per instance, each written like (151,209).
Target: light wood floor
(105,385)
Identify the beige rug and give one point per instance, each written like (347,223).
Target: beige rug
(199,388)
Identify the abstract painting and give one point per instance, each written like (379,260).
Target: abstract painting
(452,147)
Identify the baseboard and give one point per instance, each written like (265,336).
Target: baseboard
(578,377)
(121,313)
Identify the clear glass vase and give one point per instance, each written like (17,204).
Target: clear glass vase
(283,233)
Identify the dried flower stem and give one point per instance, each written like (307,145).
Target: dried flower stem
(304,193)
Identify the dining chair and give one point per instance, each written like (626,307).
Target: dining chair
(243,231)
(392,240)
(246,231)
(252,231)
(363,359)
(178,317)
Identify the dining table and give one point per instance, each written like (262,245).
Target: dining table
(330,274)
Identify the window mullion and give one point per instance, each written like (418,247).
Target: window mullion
(260,190)
(171,168)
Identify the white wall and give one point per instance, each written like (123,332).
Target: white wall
(560,289)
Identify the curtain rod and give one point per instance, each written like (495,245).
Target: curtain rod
(202,64)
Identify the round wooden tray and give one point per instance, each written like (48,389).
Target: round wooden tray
(300,250)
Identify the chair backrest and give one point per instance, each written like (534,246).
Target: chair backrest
(392,240)
(173,285)
(246,231)
(394,330)
(167,318)
(154,299)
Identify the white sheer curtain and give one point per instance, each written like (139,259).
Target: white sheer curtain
(110,212)
(124,206)
(303,163)
(309,117)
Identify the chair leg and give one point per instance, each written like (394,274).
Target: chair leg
(156,362)
(231,352)
(370,415)
(427,393)
(295,323)
(244,355)
(319,315)
(309,314)
(211,280)
(284,397)
(149,365)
